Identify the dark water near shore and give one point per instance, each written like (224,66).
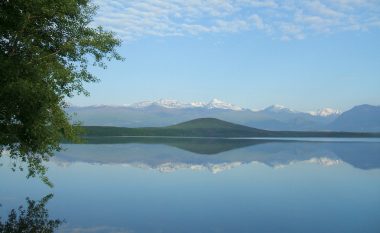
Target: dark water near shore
(208,185)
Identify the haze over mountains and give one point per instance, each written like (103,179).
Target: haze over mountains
(363,118)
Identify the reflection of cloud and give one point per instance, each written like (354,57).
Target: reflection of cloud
(286,19)
(94,229)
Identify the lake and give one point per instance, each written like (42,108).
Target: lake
(176,185)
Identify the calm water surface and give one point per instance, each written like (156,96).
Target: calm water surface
(199,185)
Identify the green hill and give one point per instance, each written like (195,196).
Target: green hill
(210,123)
(210,127)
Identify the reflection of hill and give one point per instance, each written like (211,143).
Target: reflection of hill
(196,145)
(221,153)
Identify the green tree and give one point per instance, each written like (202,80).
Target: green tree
(45,49)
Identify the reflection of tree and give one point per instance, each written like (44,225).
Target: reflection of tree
(33,164)
(34,219)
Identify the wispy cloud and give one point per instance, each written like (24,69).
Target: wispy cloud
(283,19)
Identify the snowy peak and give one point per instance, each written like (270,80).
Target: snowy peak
(165,103)
(326,112)
(197,104)
(169,103)
(215,103)
(219,104)
(279,109)
(141,104)
(162,103)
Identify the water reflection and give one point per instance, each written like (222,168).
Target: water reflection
(168,154)
(97,193)
(33,219)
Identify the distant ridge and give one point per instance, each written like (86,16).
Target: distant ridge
(362,118)
(210,127)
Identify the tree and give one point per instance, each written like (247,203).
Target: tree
(45,49)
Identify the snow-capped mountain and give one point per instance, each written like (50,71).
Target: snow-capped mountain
(218,104)
(324,112)
(276,117)
(161,103)
(215,103)
(276,108)
(166,103)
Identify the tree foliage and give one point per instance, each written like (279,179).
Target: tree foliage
(45,49)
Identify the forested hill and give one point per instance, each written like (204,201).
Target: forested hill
(210,127)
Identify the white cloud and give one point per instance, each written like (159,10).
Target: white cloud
(257,21)
(291,31)
(321,9)
(256,3)
(284,19)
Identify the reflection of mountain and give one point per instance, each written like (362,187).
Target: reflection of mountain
(167,154)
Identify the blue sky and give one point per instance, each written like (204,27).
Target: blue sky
(302,54)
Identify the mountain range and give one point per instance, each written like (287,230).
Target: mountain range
(363,118)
